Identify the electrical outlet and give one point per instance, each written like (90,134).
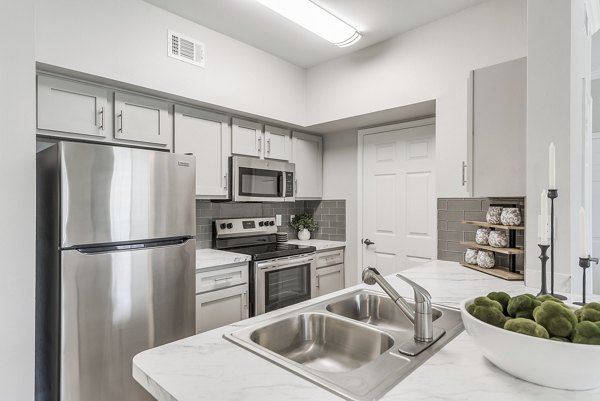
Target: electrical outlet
(278,220)
(292,217)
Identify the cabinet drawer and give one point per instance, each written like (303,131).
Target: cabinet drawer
(221,278)
(330,258)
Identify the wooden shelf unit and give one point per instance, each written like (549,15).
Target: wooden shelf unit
(506,251)
(497,271)
(489,225)
(507,273)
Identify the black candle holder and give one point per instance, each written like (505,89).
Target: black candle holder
(544,258)
(584,263)
(552,194)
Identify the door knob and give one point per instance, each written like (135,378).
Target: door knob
(368,242)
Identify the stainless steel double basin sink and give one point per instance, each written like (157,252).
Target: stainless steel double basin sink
(347,344)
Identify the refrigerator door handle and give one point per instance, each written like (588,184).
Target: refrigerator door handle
(129,246)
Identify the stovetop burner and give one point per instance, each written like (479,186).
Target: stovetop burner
(273,250)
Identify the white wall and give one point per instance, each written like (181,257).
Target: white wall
(17,203)
(340,182)
(558,60)
(596,104)
(126,40)
(430,62)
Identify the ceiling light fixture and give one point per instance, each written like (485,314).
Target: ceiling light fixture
(316,19)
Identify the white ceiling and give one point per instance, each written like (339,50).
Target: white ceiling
(254,24)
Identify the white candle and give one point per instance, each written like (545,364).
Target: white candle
(583,251)
(551,166)
(543,234)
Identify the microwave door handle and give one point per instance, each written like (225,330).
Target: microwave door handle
(280,189)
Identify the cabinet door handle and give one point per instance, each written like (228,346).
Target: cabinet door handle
(464,175)
(296,186)
(259,144)
(318,281)
(269,146)
(245,300)
(225,181)
(224,278)
(121,121)
(101,112)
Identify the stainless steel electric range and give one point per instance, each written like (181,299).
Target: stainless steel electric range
(281,274)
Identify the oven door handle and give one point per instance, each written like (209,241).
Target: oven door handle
(289,261)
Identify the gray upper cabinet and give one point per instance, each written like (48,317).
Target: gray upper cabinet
(207,136)
(142,119)
(496,130)
(72,107)
(246,138)
(277,143)
(69,108)
(307,154)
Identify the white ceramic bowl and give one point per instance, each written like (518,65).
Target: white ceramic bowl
(548,363)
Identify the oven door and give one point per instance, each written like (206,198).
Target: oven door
(284,281)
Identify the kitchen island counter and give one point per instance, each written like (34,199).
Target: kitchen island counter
(208,367)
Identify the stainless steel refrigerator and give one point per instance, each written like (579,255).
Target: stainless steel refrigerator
(115,266)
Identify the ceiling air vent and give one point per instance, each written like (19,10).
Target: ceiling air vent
(185,49)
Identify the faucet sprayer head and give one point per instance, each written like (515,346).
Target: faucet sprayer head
(368,275)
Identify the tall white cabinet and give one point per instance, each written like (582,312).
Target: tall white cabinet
(207,136)
(307,154)
(497,130)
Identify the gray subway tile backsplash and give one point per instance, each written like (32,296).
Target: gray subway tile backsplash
(330,214)
(452,211)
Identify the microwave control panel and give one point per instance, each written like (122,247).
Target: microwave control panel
(289,184)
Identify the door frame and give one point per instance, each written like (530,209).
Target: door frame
(359,163)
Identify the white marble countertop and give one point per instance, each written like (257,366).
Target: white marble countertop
(320,244)
(208,367)
(206,258)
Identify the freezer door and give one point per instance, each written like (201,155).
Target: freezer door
(115,305)
(117,194)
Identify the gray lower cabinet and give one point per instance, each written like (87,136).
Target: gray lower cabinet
(221,296)
(330,271)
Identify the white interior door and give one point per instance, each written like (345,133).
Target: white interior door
(399,204)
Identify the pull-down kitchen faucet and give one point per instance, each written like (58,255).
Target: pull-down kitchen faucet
(421,316)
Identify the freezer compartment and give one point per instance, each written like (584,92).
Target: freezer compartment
(115,305)
(116,194)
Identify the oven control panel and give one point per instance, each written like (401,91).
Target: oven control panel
(242,227)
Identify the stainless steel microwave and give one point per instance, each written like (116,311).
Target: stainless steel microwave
(257,180)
